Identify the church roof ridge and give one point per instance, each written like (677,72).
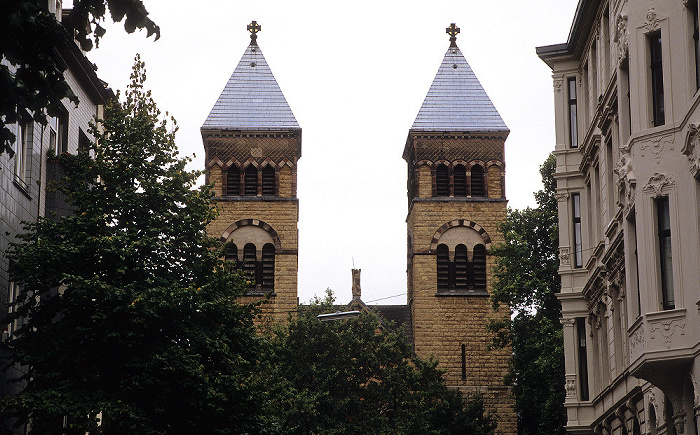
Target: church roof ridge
(456,101)
(251,99)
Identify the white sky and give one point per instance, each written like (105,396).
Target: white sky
(355,75)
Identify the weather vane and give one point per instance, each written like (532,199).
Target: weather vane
(453,30)
(254,28)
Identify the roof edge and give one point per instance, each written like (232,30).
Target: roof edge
(586,10)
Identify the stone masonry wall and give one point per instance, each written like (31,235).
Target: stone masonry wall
(442,324)
(282,215)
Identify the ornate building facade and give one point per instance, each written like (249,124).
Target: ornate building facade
(626,100)
(455,156)
(26,170)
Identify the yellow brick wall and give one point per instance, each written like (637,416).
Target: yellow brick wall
(425,182)
(494,182)
(441,324)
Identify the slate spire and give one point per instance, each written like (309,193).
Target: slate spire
(251,99)
(456,101)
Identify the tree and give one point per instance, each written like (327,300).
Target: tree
(353,377)
(127,308)
(526,279)
(31,40)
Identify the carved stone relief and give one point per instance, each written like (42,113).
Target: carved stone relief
(691,149)
(622,37)
(666,328)
(656,146)
(658,184)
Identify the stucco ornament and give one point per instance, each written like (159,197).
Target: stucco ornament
(626,181)
(667,328)
(557,84)
(570,385)
(658,184)
(691,149)
(622,37)
(652,22)
(564,256)
(657,146)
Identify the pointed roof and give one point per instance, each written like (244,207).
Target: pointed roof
(252,99)
(456,101)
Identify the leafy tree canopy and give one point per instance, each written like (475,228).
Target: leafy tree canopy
(352,377)
(31,74)
(526,279)
(127,309)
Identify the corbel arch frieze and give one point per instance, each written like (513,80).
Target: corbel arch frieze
(250,161)
(214,161)
(476,162)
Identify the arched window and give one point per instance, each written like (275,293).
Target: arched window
(232,255)
(233,181)
(442,181)
(460,180)
(461,259)
(268,266)
(479,262)
(249,263)
(251,180)
(268,180)
(461,275)
(477,187)
(443,268)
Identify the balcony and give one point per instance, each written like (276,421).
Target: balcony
(659,341)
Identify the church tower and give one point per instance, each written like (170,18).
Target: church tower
(252,142)
(456,199)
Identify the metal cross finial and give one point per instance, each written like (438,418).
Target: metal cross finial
(453,30)
(254,28)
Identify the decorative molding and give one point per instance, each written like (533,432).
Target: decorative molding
(626,181)
(656,146)
(658,184)
(667,329)
(652,403)
(256,223)
(567,322)
(636,339)
(562,197)
(557,84)
(570,386)
(652,23)
(460,223)
(691,149)
(622,37)
(564,256)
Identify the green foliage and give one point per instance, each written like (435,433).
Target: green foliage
(128,310)
(352,377)
(30,41)
(526,279)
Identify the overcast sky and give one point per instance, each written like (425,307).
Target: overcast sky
(355,75)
